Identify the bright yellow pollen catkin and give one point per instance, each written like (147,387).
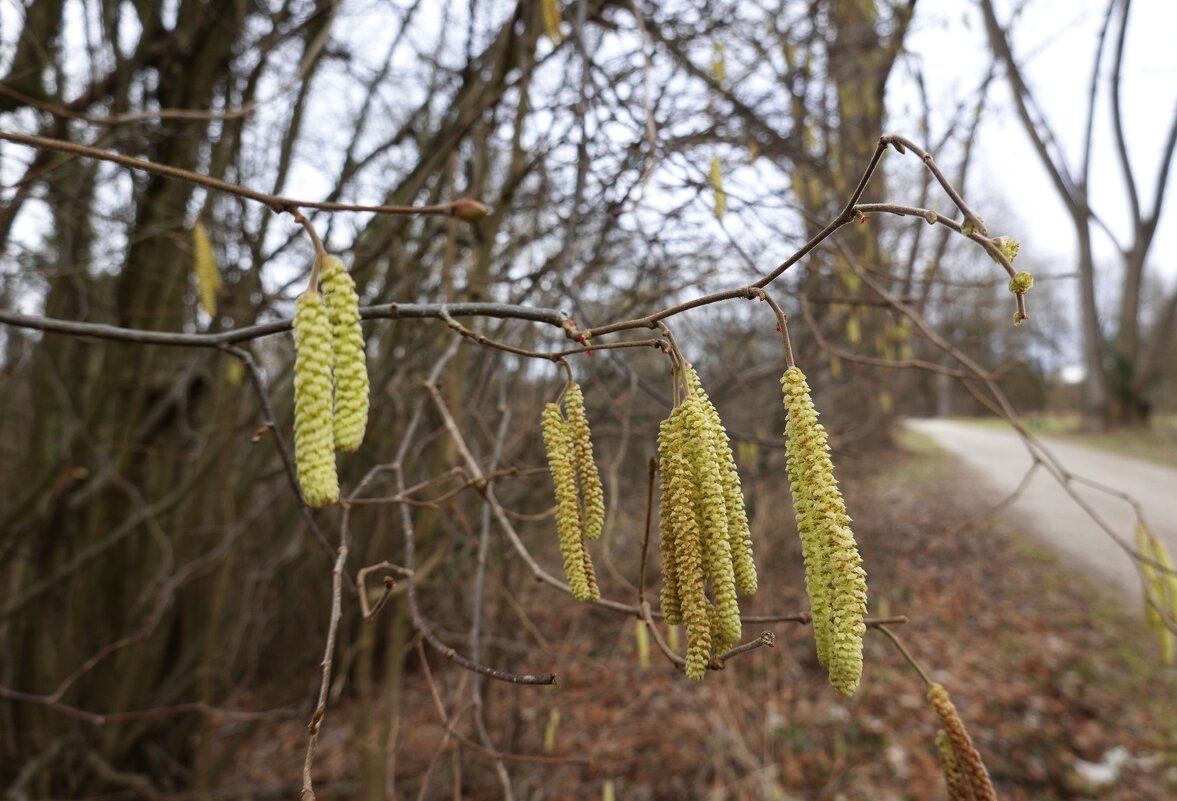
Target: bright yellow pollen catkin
(717,187)
(204,266)
(314,450)
(967,756)
(586,467)
(688,546)
(834,577)
(711,512)
(739,533)
(349,361)
(668,442)
(558,444)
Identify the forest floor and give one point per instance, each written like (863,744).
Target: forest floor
(1058,681)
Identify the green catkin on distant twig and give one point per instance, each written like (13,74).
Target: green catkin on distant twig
(834,576)
(586,467)
(314,450)
(204,266)
(350,362)
(969,759)
(717,188)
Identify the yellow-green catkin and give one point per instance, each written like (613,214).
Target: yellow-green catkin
(739,533)
(1153,588)
(590,573)
(699,435)
(967,756)
(314,450)
(719,62)
(717,187)
(834,576)
(552,20)
(349,361)
(667,443)
(641,635)
(550,731)
(1160,589)
(204,266)
(954,778)
(688,554)
(586,467)
(558,444)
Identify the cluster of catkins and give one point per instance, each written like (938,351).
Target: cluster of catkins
(964,771)
(1160,590)
(330,381)
(706,543)
(834,578)
(580,500)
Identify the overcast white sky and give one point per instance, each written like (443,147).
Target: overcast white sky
(1055,42)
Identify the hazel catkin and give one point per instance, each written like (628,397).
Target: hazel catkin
(586,468)
(688,554)
(967,755)
(954,778)
(204,267)
(670,601)
(834,577)
(314,451)
(349,361)
(711,512)
(739,533)
(558,444)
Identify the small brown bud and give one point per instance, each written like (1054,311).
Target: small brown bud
(469,209)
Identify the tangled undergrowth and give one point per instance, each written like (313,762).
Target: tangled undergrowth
(1050,673)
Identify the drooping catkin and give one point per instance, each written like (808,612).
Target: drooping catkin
(314,451)
(204,267)
(558,444)
(586,467)
(717,188)
(967,756)
(1153,589)
(668,442)
(958,785)
(834,576)
(688,547)
(1160,594)
(642,642)
(739,533)
(552,19)
(349,361)
(590,574)
(699,435)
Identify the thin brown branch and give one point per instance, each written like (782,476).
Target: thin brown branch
(276,203)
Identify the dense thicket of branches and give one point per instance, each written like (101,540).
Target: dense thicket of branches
(160,577)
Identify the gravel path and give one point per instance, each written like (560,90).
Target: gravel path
(1000,460)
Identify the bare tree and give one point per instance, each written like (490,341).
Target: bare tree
(1121,366)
